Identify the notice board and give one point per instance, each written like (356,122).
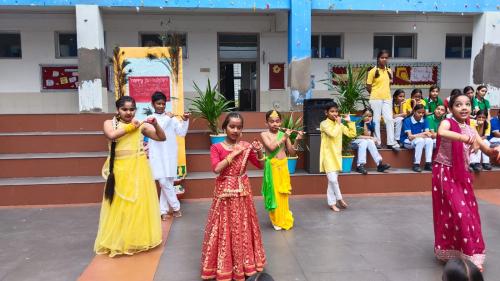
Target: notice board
(59,77)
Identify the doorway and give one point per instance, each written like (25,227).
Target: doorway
(239,70)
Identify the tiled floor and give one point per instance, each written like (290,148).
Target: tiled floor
(377,238)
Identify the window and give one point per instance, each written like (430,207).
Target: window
(10,45)
(326,46)
(238,46)
(66,46)
(458,46)
(156,40)
(399,46)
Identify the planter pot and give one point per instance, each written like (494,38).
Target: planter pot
(347,163)
(355,118)
(217,138)
(292,164)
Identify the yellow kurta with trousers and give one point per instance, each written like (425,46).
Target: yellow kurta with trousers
(130,224)
(330,156)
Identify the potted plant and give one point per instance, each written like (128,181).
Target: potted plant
(209,105)
(351,97)
(292,123)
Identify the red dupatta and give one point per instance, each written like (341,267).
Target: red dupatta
(458,169)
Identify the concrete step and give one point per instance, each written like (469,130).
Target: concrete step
(65,164)
(52,142)
(52,122)
(71,190)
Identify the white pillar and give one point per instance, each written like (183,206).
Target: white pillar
(485,54)
(91,58)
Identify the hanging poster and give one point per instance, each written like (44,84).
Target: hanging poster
(276,76)
(405,75)
(150,70)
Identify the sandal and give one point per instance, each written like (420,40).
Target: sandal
(177,214)
(342,204)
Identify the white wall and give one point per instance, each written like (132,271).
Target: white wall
(358,31)
(20,78)
(20,81)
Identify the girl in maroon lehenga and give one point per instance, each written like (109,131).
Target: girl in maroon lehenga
(232,247)
(457,225)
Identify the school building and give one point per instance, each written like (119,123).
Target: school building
(54,54)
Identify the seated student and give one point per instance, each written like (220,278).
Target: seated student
(415,98)
(461,270)
(494,138)
(398,114)
(366,141)
(416,135)
(433,101)
(434,120)
(480,102)
(483,128)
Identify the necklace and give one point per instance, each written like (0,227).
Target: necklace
(228,145)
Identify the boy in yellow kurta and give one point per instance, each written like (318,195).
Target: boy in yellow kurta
(330,156)
(276,185)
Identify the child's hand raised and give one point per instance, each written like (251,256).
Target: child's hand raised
(169,114)
(136,123)
(347,117)
(151,120)
(257,145)
(300,135)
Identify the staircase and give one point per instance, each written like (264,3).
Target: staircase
(57,159)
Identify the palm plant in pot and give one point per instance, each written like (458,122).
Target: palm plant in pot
(292,123)
(209,105)
(352,96)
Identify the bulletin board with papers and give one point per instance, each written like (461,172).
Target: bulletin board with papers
(59,77)
(405,75)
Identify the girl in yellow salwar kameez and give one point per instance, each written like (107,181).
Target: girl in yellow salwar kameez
(276,185)
(129,222)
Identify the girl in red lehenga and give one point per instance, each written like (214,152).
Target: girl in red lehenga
(232,247)
(457,225)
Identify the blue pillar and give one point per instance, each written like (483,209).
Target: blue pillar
(299,47)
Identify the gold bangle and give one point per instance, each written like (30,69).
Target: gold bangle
(229,160)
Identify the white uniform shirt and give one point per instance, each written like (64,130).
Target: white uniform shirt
(163,154)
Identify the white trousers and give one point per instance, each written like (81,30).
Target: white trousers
(333,192)
(398,125)
(495,141)
(363,146)
(168,198)
(383,108)
(476,157)
(419,144)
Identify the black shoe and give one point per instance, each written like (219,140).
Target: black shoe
(416,168)
(476,167)
(428,166)
(361,169)
(382,167)
(487,166)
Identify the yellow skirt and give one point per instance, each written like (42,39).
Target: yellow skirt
(281,216)
(132,223)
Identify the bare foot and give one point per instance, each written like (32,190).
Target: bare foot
(177,214)
(334,208)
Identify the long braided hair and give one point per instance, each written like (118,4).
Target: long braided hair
(377,74)
(109,191)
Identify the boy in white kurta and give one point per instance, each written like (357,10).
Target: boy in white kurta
(163,155)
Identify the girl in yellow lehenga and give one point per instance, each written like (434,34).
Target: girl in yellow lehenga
(276,185)
(129,222)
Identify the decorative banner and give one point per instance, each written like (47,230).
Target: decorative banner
(59,77)
(405,75)
(142,87)
(150,70)
(276,76)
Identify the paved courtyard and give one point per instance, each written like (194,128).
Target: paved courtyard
(377,238)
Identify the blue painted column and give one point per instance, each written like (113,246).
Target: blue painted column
(299,49)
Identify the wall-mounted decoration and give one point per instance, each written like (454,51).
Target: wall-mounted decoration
(276,76)
(59,77)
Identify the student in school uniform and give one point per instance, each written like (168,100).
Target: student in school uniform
(416,135)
